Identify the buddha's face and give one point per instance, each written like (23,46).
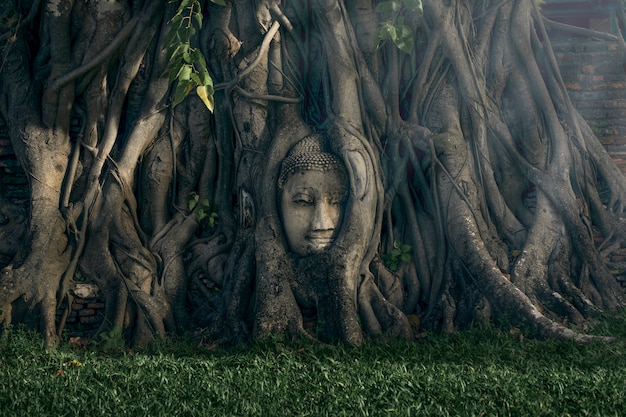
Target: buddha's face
(311,209)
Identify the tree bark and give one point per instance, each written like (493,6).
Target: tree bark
(470,189)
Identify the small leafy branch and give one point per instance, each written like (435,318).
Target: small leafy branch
(112,340)
(205,214)
(395,26)
(186,64)
(401,253)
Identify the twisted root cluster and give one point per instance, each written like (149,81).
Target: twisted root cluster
(474,183)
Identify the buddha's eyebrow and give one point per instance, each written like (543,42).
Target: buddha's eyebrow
(304,189)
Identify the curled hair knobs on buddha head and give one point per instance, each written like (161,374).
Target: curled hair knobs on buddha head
(309,154)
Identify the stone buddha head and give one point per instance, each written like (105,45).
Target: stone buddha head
(313,187)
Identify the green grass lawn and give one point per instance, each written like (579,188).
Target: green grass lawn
(472,373)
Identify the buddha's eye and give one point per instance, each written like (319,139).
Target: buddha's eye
(303,199)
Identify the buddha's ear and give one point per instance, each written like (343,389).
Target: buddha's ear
(349,142)
(356,165)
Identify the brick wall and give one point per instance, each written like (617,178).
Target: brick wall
(595,76)
(85,314)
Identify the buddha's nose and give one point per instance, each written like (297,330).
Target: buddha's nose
(323,216)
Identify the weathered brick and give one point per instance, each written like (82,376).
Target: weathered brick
(90,319)
(87,312)
(573,86)
(589,69)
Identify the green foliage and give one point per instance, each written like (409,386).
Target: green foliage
(401,253)
(204,212)
(79,277)
(186,64)
(112,340)
(395,25)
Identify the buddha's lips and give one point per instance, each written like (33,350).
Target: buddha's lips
(320,240)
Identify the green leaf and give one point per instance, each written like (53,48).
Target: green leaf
(184,33)
(176,22)
(185,73)
(173,51)
(192,204)
(404,38)
(405,248)
(173,69)
(400,21)
(404,31)
(182,89)
(201,61)
(414,6)
(196,78)
(113,340)
(388,8)
(196,55)
(183,5)
(405,45)
(405,258)
(171,36)
(386,31)
(206,79)
(198,18)
(206,95)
